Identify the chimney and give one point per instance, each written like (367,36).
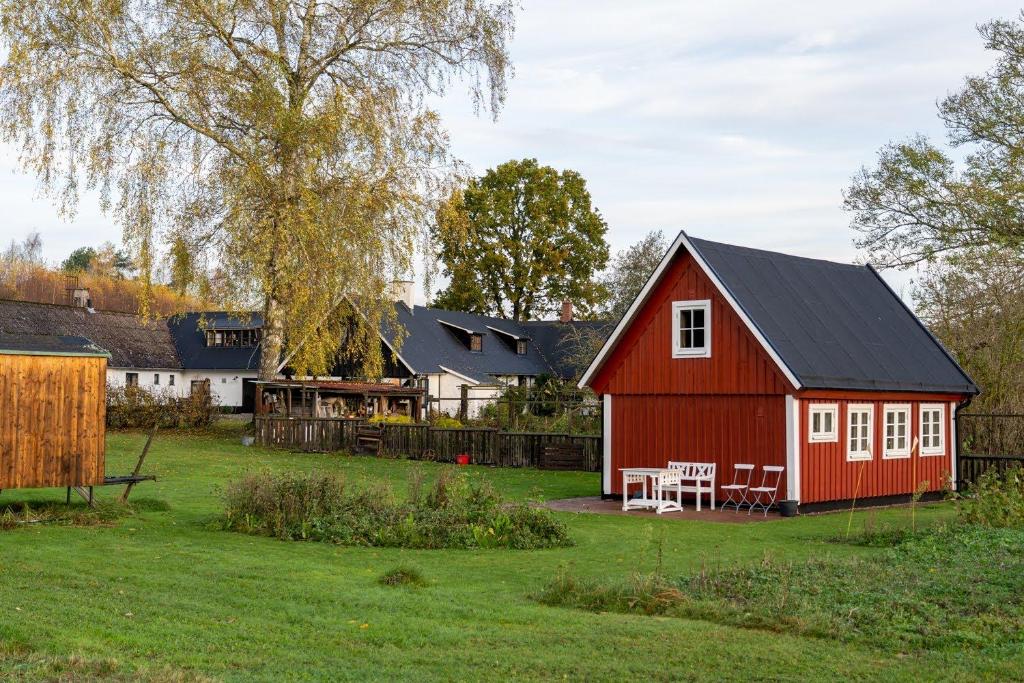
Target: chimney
(80,297)
(403,291)
(566,316)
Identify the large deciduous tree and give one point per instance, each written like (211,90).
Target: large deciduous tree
(629,271)
(919,203)
(286,143)
(519,240)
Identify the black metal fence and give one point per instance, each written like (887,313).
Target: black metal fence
(988,441)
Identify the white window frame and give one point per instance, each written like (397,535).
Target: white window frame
(869,408)
(928,407)
(696,305)
(823,409)
(893,409)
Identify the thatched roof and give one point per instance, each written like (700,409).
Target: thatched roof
(132,341)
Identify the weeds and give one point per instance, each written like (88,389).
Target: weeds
(453,512)
(402,576)
(947,589)
(21,514)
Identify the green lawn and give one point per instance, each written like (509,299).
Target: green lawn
(165,595)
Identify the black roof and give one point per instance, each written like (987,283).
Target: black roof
(133,341)
(432,344)
(188,330)
(835,325)
(48,345)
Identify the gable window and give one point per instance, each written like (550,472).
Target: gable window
(859,425)
(897,431)
(131,379)
(824,422)
(476,342)
(933,429)
(691,329)
(521,347)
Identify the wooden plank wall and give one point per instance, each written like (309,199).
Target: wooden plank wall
(642,362)
(485,446)
(52,420)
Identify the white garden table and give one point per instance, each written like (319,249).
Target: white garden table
(662,481)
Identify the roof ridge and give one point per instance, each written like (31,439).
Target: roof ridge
(773,253)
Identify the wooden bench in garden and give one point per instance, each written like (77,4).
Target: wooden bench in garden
(562,456)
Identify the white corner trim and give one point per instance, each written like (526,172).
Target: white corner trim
(606,444)
(459,375)
(793,447)
(954,445)
(683,241)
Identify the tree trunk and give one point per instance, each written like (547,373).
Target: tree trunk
(273,338)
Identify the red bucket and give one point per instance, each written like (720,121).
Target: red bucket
(462,459)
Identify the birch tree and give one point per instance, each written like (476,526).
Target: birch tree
(287,143)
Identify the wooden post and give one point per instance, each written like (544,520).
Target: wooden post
(138,466)
(463,402)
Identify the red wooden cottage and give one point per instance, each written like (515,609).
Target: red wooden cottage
(735,355)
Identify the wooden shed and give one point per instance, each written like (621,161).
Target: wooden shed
(732,355)
(52,411)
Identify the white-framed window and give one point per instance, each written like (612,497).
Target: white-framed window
(691,329)
(860,419)
(896,437)
(933,429)
(824,422)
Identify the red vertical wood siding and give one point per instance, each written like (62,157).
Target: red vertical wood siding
(648,431)
(642,362)
(825,473)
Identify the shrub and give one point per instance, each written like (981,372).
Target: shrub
(391,419)
(994,500)
(454,512)
(130,407)
(443,421)
(402,576)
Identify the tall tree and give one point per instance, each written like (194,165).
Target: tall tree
(918,203)
(289,143)
(974,302)
(79,261)
(629,271)
(519,240)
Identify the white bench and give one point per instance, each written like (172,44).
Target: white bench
(700,473)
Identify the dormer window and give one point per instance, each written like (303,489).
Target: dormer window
(473,340)
(515,343)
(246,338)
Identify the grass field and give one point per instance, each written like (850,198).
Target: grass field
(164,595)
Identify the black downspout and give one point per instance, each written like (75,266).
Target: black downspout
(955,443)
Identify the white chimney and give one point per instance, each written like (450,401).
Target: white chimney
(80,298)
(403,291)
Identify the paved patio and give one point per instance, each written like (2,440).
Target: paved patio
(595,504)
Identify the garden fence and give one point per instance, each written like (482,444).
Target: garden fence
(486,446)
(988,441)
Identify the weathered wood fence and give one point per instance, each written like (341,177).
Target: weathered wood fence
(988,441)
(484,445)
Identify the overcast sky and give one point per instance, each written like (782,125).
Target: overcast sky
(737,121)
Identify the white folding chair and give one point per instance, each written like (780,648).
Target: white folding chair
(736,492)
(763,496)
